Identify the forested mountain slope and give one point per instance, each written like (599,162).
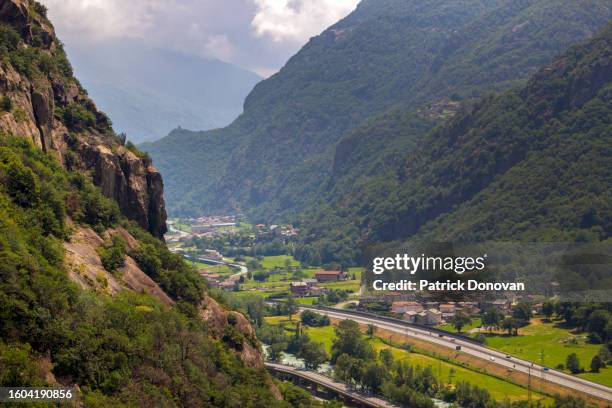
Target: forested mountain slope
(531,164)
(421,56)
(89,296)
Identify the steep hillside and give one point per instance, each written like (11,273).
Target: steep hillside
(45,103)
(88,297)
(149,92)
(88,302)
(422,56)
(532,164)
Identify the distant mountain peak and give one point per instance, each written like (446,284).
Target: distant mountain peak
(147,91)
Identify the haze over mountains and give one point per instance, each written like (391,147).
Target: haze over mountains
(130,81)
(417,56)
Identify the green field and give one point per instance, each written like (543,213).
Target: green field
(279,261)
(182,227)
(307,300)
(498,388)
(219,269)
(350,285)
(554,342)
(603,377)
(450,328)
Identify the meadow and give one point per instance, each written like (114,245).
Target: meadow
(549,344)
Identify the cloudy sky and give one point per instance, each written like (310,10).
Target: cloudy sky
(259,35)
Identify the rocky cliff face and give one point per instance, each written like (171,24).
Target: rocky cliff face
(42,101)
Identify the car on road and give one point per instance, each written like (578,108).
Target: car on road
(492,358)
(508,356)
(452,340)
(457,348)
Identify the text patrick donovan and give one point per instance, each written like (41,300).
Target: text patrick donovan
(448,285)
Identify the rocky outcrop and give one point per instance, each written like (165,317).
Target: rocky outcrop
(43,102)
(223,324)
(134,183)
(85,267)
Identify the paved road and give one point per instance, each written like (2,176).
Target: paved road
(243,269)
(331,384)
(493,356)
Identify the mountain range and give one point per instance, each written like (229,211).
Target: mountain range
(357,98)
(531,164)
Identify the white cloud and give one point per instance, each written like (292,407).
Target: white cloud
(102,19)
(256,34)
(219,46)
(298,20)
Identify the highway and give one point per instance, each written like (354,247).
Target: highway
(331,384)
(450,341)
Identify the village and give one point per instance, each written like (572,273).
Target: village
(184,230)
(274,276)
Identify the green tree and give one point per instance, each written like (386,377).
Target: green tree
(511,325)
(548,308)
(275,351)
(313,319)
(492,318)
(597,322)
(6,104)
(371,330)
(597,363)
(314,354)
(604,354)
(256,309)
(573,363)
(113,255)
(342,366)
(349,340)
(291,307)
(461,320)
(386,356)
(374,375)
(522,312)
